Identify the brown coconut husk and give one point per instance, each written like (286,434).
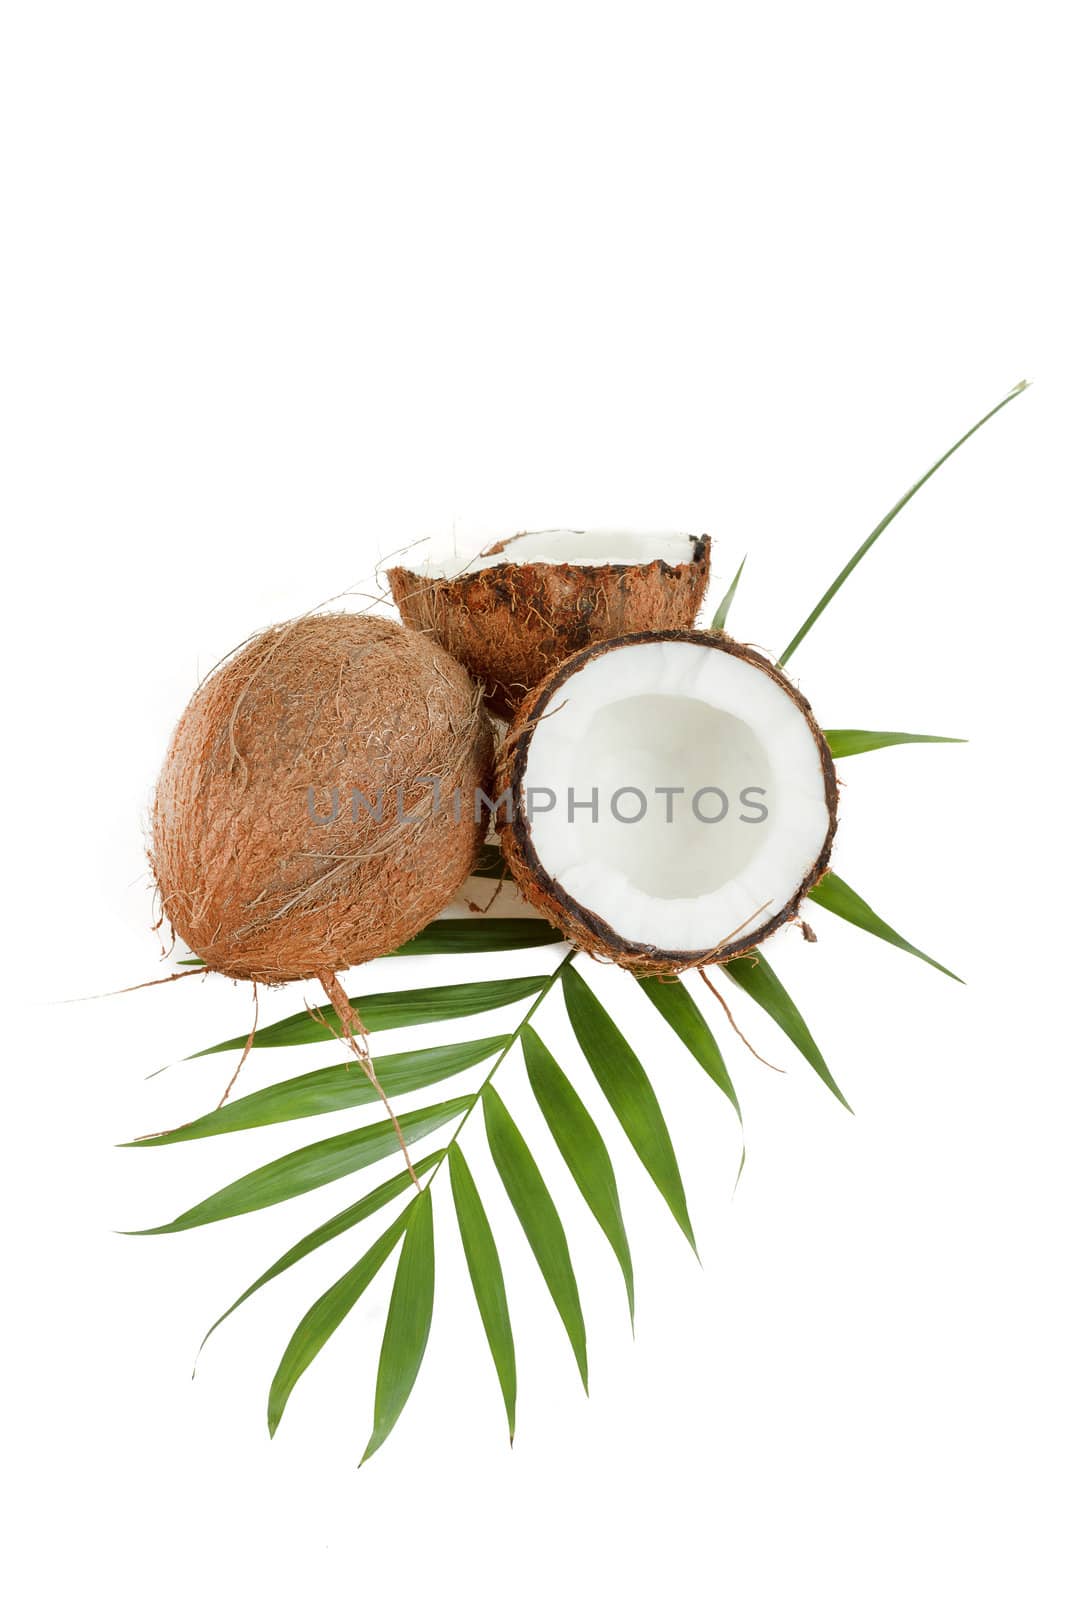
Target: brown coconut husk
(246,878)
(510,625)
(575,921)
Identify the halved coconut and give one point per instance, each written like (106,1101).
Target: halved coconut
(673,799)
(514,612)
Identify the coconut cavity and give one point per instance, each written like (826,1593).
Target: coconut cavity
(514,612)
(673,799)
(317,806)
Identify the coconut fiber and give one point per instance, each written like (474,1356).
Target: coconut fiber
(512,624)
(298,721)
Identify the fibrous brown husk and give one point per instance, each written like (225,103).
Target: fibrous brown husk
(575,921)
(332,704)
(512,624)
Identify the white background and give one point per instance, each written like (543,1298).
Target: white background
(286,286)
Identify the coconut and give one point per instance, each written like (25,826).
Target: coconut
(317,805)
(672,799)
(526,603)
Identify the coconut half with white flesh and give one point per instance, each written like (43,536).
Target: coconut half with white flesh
(514,612)
(672,799)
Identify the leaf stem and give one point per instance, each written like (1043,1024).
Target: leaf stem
(487,1080)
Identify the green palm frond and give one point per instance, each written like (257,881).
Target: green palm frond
(326,1316)
(858,741)
(674,1003)
(872,538)
(462,936)
(613,1066)
(314,1094)
(407,1327)
(403,1009)
(834,894)
(392,1189)
(313,1166)
(754,975)
(629,1092)
(718,621)
(536,1211)
(583,1149)
(487,1277)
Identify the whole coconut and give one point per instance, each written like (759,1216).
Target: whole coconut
(317,805)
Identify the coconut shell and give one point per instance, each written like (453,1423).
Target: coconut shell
(512,624)
(331,704)
(575,921)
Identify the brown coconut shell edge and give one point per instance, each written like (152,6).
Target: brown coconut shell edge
(512,624)
(576,921)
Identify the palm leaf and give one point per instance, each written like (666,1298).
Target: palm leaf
(407,1327)
(487,1279)
(582,1148)
(403,1009)
(332,1089)
(325,1316)
(313,1166)
(450,936)
(539,1218)
(344,1220)
(851,565)
(677,1006)
(627,1089)
(857,741)
(834,894)
(758,981)
(718,621)
(462,935)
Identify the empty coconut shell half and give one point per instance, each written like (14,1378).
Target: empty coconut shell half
(516,611)
(672,799)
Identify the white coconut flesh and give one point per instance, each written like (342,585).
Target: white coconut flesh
(557,546)
(670,714)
